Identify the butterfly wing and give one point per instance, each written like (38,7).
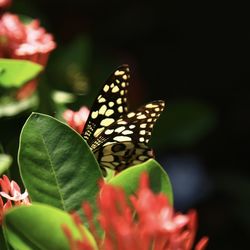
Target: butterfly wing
(121,155)
(109,105)
(124,143)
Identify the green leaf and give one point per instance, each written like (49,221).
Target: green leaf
(62,97)
(56,164)
(10,107)
(68,66)
(3,244)
(5,162)
(130,177)
(39,226)
(14,73)
(25,19)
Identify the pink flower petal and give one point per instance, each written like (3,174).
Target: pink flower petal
(16,196)
(76,119)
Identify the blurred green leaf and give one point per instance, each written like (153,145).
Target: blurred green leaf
(183,123)
(14,73)
(78,68)
(5,162)
(57,166)
(10,107)
(46,103)
(68,66)
(130,177)
(62,97)
(25,19)
(3,244)
(39,226)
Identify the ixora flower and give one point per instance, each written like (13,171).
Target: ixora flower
(4,4)
(12,193)
(24,41)
(148,223)
(76,119)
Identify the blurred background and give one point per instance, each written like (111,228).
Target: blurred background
(196,58)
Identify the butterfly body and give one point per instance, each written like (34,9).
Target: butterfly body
(118,138)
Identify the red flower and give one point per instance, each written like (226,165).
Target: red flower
(79,244)
(76,119)
(4,4)
(12,193)
(24,41)
(149,223)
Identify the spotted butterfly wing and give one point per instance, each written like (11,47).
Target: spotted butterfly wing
(125,142)
(117,138)
(109,105)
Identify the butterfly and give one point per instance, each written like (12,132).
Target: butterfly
(118,138)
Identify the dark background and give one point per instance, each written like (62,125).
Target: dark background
(193,56)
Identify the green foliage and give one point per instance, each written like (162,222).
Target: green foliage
(15,73)
(68,65)
(159,180)
(60,172)
(3,242)
(39,226)
(10,107)
(5,162)
(56,164)
(78,68)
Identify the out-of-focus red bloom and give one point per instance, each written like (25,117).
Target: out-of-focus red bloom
(11,192)
(79,244)
(24,41)
(4,4)
(27,90)
(76,119)
(151,222)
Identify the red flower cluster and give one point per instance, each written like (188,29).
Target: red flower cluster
(23,41)
(151,224)
(12,193)
(4,4)
(76,120)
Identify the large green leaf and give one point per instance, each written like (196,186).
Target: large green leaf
(56,164)
(14,73)
(159,180)
(39,226)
